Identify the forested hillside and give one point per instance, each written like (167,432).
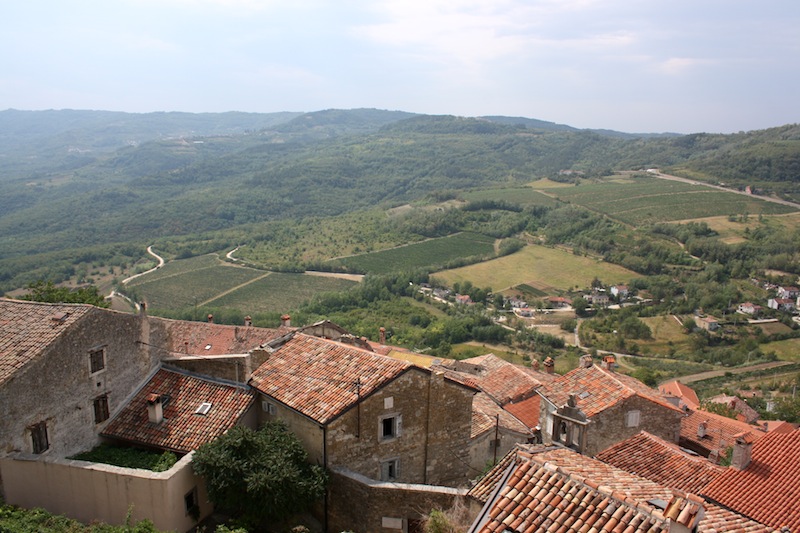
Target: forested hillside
(77,185)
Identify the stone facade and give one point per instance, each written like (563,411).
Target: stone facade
(382,507)
(55,393)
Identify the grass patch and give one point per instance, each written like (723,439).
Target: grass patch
(645,201)
(423,254)
(546,183)
(129,457)
(279,292)
(535,265)
(512,195)
(786,350)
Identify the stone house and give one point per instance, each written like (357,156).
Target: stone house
(590,408)
(382,418)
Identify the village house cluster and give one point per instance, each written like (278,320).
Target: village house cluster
(400,433)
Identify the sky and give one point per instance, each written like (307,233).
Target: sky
(683,66)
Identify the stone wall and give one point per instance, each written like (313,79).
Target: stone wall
(361,505)
(431,445)
(609,427)
(58,389)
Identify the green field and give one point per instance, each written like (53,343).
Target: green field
(548,269)
(515,195)
(280,292)
(207,281)
(649,200)
(427,253)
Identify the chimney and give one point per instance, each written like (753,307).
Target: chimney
(248,321)
(742,450)
(383,335)
(549,365)
(535,365)
(609,362)
(143,307)
(586,361)
(701,428)
(210,318)
(155,411)
(286,321)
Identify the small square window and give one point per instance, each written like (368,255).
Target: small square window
(97,360)
(268,407)
(389,427)
(192,504)
(100,409)
(632,419)
(39,437)
(390,470)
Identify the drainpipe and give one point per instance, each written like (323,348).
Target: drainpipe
(325,466)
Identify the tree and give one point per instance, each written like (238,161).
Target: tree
(47,291)
(260,476)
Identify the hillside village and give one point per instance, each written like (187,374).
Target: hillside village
(400,433)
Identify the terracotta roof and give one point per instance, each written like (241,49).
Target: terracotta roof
(503,381)
(27,328)
(486,414)
(597,389)
(182,430)
(719,431)
(665,463)
(557,489)
(204,338)
(321,378)
(735,403)
(769,488)
(541,496)
(685,393)
(527,411)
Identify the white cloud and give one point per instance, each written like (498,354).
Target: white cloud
(675,66)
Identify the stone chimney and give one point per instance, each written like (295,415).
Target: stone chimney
(586,361)
(701,428)
(535,364)
(383,335)
(155,411)
(248,321)
(549,365)
(286,321)
(210,318)
(742,450)
(609,362)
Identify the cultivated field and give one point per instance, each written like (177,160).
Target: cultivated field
(422,254)
(207,281)
(516,195)
(650,200)
(788,350)
(668,336)
(548,269)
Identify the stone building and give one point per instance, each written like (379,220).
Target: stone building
(591,408)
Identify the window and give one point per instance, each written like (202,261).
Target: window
(39,437)
(191,504)
(268,407)
(389,427)
(97,360)
(100,409)
(390,470)
(203,408)
(632,419)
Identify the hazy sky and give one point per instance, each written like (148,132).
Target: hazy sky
(630,65)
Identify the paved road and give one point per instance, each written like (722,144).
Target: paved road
(738,370)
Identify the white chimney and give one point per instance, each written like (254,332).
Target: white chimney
(701,429)
(155,411)
(286,321)
(586,361)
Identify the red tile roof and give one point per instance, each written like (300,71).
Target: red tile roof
(557,489)
(527,411)
(486,414)
(685,393)
(665,463)
(735,403)
(182,430)
(597,389)
(767,490)
(719,432)
(541,496)
(503,381)
(27,328)
(321,378)
(204,338)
